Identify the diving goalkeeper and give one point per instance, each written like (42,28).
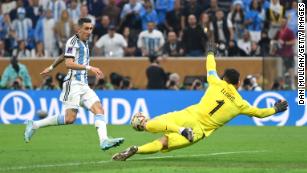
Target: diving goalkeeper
(220,104)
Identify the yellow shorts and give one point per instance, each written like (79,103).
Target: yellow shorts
(184,119)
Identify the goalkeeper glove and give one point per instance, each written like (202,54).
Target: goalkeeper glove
(280,106)
(211,48)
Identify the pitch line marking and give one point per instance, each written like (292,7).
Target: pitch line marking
(138,159)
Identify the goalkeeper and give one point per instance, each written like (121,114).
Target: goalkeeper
(220,104)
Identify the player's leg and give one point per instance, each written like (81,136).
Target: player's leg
(149,148)
(70,97)
(170,123)
(32,126)
(91,101)
(167,143)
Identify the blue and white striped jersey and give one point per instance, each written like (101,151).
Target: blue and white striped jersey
(79,50)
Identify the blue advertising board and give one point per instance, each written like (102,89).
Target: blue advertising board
(119,106)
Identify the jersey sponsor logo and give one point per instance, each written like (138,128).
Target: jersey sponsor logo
(16,106)
(267,100)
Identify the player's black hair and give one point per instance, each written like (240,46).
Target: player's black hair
(83,20)
(231,76)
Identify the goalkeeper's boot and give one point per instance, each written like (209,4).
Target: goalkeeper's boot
(188,133)
(122,156)
(29,132)
(111,142)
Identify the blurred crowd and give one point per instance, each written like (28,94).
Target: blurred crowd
(168,28)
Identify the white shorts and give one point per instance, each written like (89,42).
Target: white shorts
(76,93)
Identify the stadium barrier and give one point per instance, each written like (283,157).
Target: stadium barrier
(269,68)
(18,106)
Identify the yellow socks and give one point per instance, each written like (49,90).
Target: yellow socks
(151,147)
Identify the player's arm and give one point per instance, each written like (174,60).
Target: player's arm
(70,64)
(279,106)
(56,62)
(211,68)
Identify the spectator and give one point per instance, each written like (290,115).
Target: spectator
(101,28)
(156,77)
(255,50)
(14,11)
(7,6)
(212,9)
(192,8)
(16,76)
(273,18)
(44,33)
(193,38)
(172,47)
(130,15)
(161,7)
(279,84)
(100,84)
(197,85)
(113,44)
(264,44)
(39,50)
(48,84)
(125,84)
(245,44)
(233,49)
(175,19)
(247,85)
(112,11)
(250,84)
(34,11)
(148,14)
(131,39)
(6,32)
(63,29)
(254,84)
(286,40)
(235,20)
(57,7)
(21,51)
(95,7)
(291,15)
(74,11)
(221,32)
(84,14)
(22,26)
(224,5)
(150,41)
(120,82)
(173,82)
(254,21)
(3,52)
(206,26)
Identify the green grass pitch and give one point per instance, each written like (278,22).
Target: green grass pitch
(230,149)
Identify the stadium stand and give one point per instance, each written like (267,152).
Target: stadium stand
(38,29)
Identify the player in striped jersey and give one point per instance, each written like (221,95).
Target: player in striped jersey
(76,89)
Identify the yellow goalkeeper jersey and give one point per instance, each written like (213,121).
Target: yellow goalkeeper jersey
(222,102)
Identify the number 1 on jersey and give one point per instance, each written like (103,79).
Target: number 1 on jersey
(219,105)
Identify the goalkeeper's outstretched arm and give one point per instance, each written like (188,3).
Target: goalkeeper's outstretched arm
(279,106)
(212,75)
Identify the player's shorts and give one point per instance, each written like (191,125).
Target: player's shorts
(184,119)
(75,92)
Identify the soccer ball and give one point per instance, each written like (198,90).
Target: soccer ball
(137,120)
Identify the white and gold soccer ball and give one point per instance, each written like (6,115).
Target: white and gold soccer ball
(137,121)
